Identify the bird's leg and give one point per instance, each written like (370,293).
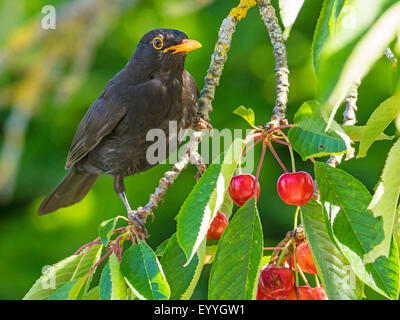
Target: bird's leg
(125,200)
(119,188)
(138,221)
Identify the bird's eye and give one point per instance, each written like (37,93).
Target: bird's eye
(157,43)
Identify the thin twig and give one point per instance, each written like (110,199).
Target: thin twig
(349,119)
(268,15)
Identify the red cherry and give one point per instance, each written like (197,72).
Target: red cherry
(276,282)
(304,258)
(305,293)
(295,188)
(319,293)
(262,296)
(217,227)
(241,188)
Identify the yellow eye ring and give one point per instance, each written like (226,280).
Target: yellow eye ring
(158,43)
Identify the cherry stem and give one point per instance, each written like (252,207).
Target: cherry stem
(290,151)
(295,217)
(294,245)
(91,270)
(98,262)
(117,248)
(251,147)
(254,136)
(281,127)
(272,248)
(276,156)
(259,168)
(316,280)
(285,253)
(281,142)
(119,229)
(302,275)
(96,241)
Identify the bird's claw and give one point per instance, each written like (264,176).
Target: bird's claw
(200,123)
(138,221)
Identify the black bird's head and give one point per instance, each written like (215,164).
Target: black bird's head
(163,50)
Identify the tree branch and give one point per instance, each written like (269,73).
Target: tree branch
(190,154)
(390,55)
(268,15)
(349,118)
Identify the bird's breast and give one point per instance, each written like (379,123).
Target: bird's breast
(123,151)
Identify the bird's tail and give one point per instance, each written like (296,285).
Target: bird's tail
(73,188)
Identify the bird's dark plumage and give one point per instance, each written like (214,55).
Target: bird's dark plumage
(151,90)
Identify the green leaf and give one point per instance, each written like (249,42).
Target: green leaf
(161,248)
(63,292)
(246,113)
(144,274)
(211,250)
(264,260)
(388,270)
(112,284)
(353,227)
(338,279)
(308,136)
(105,284)
(106,229)
(351,36)
(227,206)
(77,291)
(289,9)
(378,122)
(92,294)
(62,272)
(182,279)
(325,28)
(236,267)
(356,132)
(396,228)
(206,199)
(384,201)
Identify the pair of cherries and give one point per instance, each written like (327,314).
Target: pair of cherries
(294,188)
(277,283)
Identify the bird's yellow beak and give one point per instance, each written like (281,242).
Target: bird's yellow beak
(186,45)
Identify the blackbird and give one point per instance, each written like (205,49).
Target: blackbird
(151,90)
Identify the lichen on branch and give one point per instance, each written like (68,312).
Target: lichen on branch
(220,55)
(268,15)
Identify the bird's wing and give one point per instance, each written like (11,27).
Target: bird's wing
(99,121)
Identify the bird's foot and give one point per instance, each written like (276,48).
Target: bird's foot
(138,221)
(201,123)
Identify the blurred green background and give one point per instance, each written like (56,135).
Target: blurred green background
(49,78)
